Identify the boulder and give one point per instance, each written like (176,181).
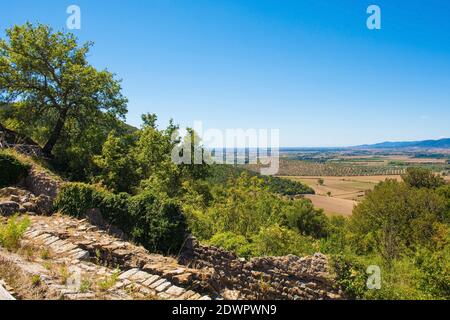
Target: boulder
(29,206)
(44,204)
(9,208)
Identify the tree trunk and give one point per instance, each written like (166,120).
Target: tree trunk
(48,148)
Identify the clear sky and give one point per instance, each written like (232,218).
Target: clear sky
(310,68)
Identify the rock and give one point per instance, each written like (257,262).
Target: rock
(183,279)
(29,206)
(4,294)
(231,294)
(9,208)
(14,198)
(175,291)
(44,205)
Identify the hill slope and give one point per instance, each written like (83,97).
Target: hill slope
(431,144)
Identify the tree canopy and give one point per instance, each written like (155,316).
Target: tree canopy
(46,78)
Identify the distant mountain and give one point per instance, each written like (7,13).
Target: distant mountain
(426,144)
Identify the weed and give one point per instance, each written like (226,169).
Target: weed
(12,232)
(36,280)
(108,282)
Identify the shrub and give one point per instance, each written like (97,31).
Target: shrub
(279,241)
(12,232)
(12,171)
(153,221)
(301,215)
(158,223)
(75,198)
(422,178)
(233,242)
(350,275)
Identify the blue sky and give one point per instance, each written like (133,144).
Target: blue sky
(310,68)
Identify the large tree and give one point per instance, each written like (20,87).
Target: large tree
(47,74)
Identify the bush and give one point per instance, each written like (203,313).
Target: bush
(422,178)
(301,215)
(350,275)
(279,241)
(12,171)
(12,232)
(152,221)
(75,199)
(158,223)
(233,242)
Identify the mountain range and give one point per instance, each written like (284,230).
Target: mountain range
(430,144)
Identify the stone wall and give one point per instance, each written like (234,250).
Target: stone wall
(40,183)
(288,277)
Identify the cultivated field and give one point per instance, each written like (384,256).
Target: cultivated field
(332,205)
(338,195)
(349,187)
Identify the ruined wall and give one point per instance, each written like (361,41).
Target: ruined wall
(288,277)
(40,183)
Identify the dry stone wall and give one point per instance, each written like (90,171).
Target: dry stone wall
(288,277)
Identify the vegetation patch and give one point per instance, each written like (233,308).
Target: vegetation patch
(12,171)
(12,232)
(153,221)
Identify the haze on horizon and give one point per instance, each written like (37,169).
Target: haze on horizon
(311,69)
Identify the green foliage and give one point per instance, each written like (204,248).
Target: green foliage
(300,215)
(246,217)
(222,174)
(336,241)
(47,74)
(350,275)
(154,222)
(12,232)
(434,267)
(118,168)
(394,217)
(280,241)
(12,171)
(417,177)
(158,223)
(76,198)
(233,242)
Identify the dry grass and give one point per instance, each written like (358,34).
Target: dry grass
(332,205)
(349,187)
(38,164)
(26,287)
(338,195)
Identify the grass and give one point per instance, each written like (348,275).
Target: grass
(25,287)
(36,280)
(108,282)
(85,285)
(45,254)
(12,232)
(64,274)
(39,164)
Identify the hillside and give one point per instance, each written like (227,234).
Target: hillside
(85,258)
(425,144)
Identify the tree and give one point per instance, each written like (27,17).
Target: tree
(46,74)
(395,217)
(320,181)
(422,178)
(118,167)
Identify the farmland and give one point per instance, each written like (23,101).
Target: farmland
(341,178)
